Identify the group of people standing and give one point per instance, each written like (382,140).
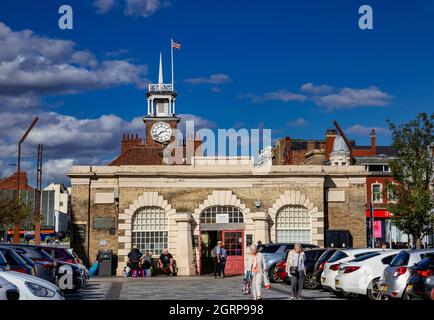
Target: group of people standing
(140,265)
(255,272)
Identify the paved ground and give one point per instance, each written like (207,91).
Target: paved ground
(186,288)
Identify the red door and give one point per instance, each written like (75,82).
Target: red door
(233,242)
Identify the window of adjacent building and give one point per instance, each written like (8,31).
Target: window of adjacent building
(150,231)
(377,192)
(209,215)
(391,194)
(293,224)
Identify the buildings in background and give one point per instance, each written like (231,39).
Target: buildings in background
(54,207)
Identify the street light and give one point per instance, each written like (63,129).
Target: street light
(16,238)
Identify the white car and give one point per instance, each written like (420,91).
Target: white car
(361,276)
(8,291)
(32,288)
(331,268)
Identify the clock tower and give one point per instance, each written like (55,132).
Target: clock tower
(161,120)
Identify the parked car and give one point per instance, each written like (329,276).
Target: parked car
(331,267)
(4,265)
(32,288)
(319,265)
(66,255)
(393,282)
(312,255)
(361,276)
(8,291)
(43,263)
(274,253)
(15,262)
(420,285)
(46,262)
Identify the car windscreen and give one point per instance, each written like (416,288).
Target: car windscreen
(366,257)
(270,248)
(401,259)
(338,255)
(3,261)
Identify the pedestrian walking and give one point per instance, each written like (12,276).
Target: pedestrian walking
(255,269)
(215,254)
(295,268)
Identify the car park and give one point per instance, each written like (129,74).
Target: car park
(319,265)
(393,282)
(15,262)
(275,252)
(420,285)
(53,267)
(32,288)
(43,263)
(361,276)
(66,255)
(331,267)
(312,255)
(8,291)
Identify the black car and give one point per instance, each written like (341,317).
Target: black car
(4,265)
(319,265)
(420,285)
(49,268)
(15,262)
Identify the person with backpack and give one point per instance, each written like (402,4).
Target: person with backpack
(216,255)
(296,270)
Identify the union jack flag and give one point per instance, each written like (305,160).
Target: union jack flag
(176,45)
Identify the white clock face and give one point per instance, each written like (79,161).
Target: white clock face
(161,132)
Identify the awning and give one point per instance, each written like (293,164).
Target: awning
(379,213)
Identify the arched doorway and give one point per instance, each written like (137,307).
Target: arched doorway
(222,223)
(150,230)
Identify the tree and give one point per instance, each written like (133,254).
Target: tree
(12,211)
(413,168)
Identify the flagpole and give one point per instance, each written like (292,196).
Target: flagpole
(171,52)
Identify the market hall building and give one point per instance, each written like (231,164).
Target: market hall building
(137,200)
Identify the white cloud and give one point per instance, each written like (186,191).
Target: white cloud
(35,65)
(55,170)
(300,122)
(361,130)
(144,8)
(103,6)
(313,89)
(218,78)
(351,98)
(279,95)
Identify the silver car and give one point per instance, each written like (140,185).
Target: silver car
(393,282)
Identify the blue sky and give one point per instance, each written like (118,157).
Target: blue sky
(260,53)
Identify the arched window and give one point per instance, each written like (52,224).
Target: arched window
(150,230)
(293,224)
(209,215)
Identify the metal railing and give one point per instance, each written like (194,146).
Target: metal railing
(158,87)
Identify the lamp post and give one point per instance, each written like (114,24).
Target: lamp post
(16,238)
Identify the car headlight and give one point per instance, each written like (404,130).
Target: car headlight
(39,290)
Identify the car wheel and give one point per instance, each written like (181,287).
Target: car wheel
(374,292)
(274,277)
(405,296)
(310,282)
